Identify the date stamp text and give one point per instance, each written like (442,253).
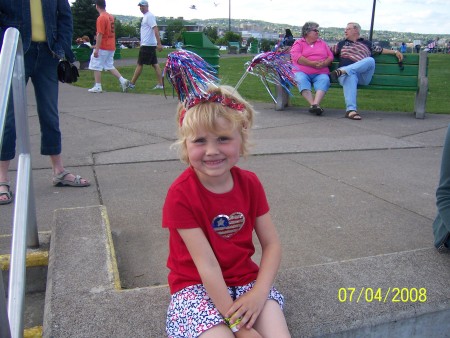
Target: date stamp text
(389,295)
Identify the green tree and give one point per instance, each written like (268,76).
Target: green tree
(266,45)
(173,32)
(84,19)
(211,33)
(232,37)
(250,40)
(125,29)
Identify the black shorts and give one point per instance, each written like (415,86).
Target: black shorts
(147,55)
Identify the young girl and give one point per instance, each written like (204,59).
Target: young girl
(211,210)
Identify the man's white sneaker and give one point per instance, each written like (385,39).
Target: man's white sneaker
(125,85)
(95,90)
(158,87)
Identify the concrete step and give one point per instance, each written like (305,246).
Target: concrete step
(401,294)
(35,284)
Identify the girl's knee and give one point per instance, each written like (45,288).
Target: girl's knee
(271,322)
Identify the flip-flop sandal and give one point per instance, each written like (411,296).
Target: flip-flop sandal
(311,109)
(7,193)
(354,116)
(59,180)
(317,110)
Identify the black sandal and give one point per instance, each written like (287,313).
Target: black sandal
(355,116)
(315,109)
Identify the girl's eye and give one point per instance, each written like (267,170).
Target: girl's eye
(199,140)
(223,139)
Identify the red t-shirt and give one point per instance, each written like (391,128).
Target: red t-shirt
(105,26)
(227,221)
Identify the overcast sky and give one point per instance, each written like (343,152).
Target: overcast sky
(417,16)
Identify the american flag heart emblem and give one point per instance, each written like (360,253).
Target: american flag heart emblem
(226,226)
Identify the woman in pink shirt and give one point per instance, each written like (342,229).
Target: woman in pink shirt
(311,57)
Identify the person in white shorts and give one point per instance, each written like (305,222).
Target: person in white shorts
(102,57)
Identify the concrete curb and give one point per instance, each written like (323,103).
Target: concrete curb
(84,296)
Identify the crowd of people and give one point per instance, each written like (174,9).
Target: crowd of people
(213,208)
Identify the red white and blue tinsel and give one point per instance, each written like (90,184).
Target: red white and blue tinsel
(189,75)
(272,67)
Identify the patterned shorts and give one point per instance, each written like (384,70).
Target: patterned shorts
(191,312)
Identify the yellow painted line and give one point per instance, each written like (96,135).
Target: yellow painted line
(34,332)
(112,261)
(36,258)
(40,233)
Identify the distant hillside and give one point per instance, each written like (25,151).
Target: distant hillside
(327,33)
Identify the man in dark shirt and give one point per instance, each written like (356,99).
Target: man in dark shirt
(356,65)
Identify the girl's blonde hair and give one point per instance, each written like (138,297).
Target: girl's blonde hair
(204,115)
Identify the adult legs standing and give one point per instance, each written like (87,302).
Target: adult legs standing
(41,66)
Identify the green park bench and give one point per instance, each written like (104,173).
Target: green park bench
(83,55)
(412,76)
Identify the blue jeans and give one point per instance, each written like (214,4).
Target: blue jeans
(360,72)
(441,225)
(41,66)
(304,81)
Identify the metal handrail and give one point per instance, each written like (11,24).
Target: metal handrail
(12,72)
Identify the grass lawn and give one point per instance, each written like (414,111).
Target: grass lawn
(232,69)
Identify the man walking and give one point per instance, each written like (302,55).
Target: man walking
(356,65)
(105,47)
(150,42)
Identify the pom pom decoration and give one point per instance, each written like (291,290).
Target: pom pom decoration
(189,75)
(272,67)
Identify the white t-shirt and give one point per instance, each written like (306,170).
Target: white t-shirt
(148,37)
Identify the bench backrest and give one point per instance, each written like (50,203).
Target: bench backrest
(388,73)
(82,54)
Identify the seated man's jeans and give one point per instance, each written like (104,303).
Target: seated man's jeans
(41,66)
(360,72)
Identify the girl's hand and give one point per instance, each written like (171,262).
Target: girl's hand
(247,307)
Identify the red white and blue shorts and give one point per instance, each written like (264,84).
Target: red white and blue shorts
(191,312)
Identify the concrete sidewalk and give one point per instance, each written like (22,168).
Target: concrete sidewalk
(340,192)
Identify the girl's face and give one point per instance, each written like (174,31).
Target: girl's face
(213,154)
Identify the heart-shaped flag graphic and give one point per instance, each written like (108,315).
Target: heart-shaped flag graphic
(226,226)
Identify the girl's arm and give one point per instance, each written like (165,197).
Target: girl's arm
(208,267)
(249,306)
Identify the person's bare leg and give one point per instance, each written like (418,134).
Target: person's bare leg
(158,73)
(115,72)
(137,73)
(4,166)
(218,331)
(308,96)
(319,96)
(97,76)
(271,321)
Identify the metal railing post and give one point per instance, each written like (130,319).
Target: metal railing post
(12,72)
